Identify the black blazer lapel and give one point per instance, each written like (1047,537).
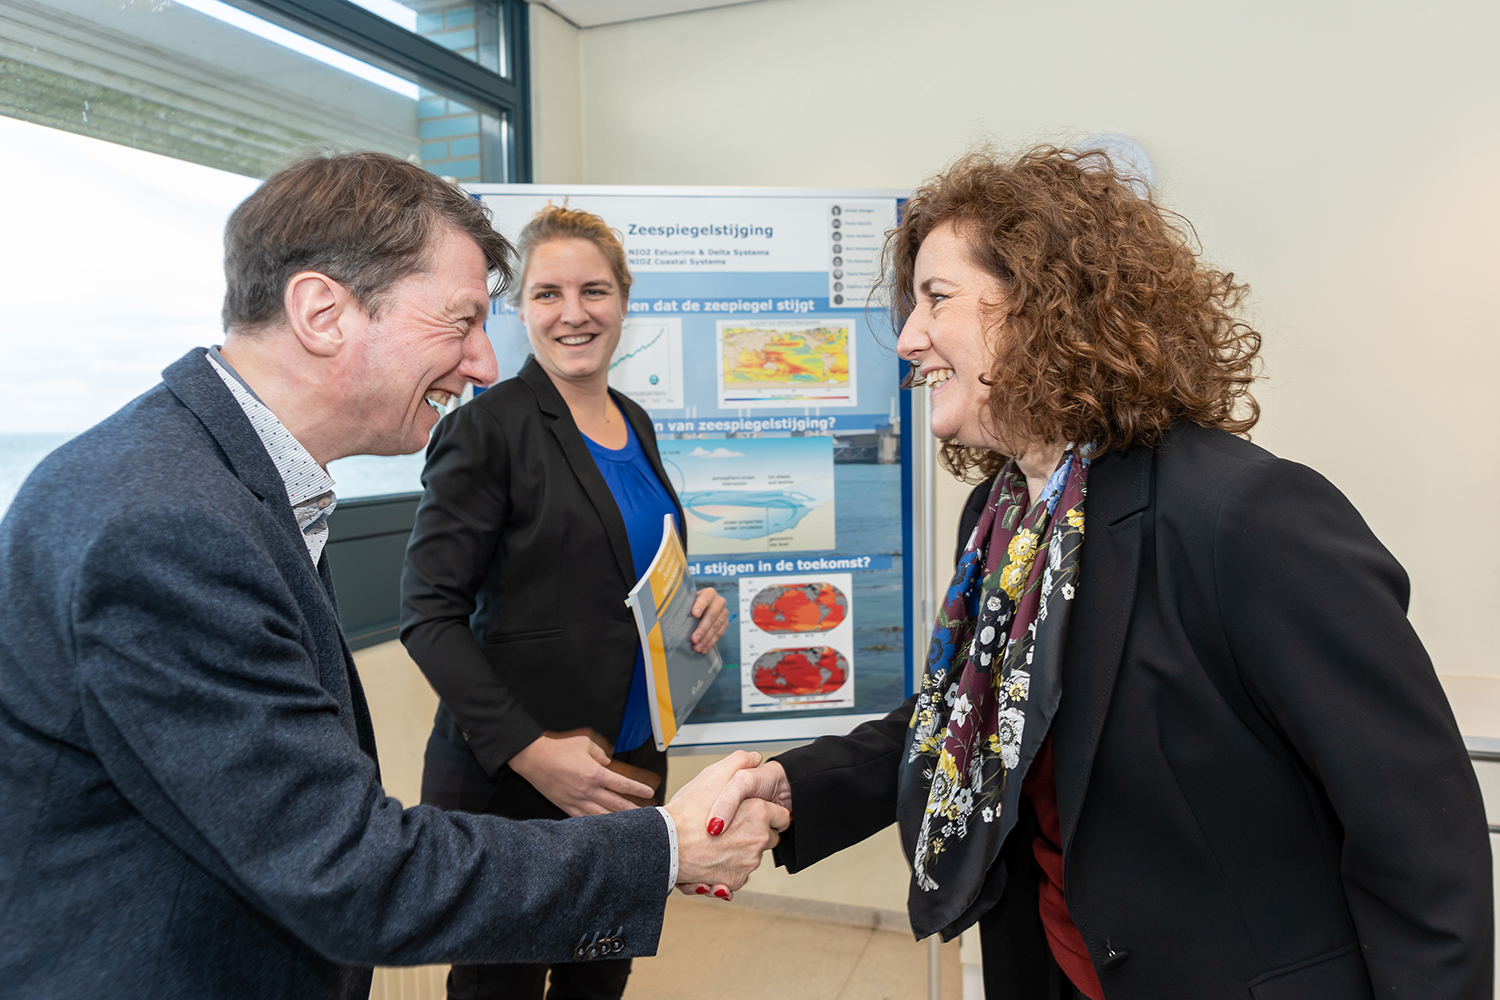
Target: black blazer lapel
(1119,495)
(570,439)
(646,434)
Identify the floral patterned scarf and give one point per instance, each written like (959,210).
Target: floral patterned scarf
(991,687)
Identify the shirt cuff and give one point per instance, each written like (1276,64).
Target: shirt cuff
(671,845)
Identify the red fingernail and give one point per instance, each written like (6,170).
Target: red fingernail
(715,827)
(722,893)
(702,890)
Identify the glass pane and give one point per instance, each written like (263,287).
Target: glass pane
(473,30)
(143,288)
(377,475)
(202,81)
(113,270)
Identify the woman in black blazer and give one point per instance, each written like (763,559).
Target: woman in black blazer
(544,503)
(1175,738)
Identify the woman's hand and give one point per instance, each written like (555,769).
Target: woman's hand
(767,782)
(713,618)
(717,858)
(571,773)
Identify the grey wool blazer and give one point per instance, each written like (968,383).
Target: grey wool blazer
(192,805)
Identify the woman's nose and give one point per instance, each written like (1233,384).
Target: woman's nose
(913,339)
(573,312)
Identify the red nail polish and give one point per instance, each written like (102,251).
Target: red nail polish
(702,890)
(715,827)
(722,893)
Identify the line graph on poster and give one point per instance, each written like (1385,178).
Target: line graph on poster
(647,365)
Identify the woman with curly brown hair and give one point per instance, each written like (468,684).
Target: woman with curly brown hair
(1175,736)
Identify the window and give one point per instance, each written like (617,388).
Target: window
(242,88)
(113,249)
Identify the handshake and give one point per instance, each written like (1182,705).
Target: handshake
(726,818)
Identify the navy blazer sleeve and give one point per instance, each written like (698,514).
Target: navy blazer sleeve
(452,550)
(1314,610)
(205,710)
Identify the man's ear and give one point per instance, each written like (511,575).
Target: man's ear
(317,308)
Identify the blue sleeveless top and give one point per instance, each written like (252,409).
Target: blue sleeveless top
(643,501)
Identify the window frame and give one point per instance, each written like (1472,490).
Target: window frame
(369,36)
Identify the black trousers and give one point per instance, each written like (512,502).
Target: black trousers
(1004,976)
(452,779)
(1018,962)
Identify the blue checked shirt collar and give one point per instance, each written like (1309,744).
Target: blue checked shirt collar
(309,488)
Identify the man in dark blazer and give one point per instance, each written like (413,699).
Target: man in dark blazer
(1261,787)
(192,800)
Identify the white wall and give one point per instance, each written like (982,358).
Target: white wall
(556,108)
(1339,157)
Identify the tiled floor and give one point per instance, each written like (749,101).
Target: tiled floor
(724,952)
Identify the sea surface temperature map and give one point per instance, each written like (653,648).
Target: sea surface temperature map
(804,607)
(800,673)
(796,642)
(786,362)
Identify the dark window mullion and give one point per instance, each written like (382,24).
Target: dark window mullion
(517,39)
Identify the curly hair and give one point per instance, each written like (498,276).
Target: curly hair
(558,222)
(1113,326)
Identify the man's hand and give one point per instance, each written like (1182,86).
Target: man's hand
(712,613)
(724,860)
(768,781)
(570,771)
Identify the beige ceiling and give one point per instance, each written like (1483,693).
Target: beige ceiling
(591,13)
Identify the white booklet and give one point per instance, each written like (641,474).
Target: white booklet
(662,602)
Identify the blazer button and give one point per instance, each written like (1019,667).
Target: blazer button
(579,953)
(1114,958)
(619,945)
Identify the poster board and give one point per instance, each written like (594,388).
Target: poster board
(772,381)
